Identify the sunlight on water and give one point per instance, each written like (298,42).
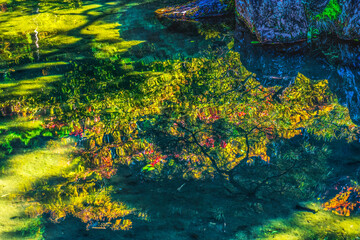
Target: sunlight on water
(21,173)
(28,87)
(47,31)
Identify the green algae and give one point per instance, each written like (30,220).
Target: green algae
(23,169)
(332,11)
(324,21)
(22,172)
(48,31)
(308,225)
(21,124)
(39,65)
(28,86)
(20,130)
(15,224)
(106,39)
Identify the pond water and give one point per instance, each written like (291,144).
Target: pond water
(117,125)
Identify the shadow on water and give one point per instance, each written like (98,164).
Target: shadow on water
(178,209)
(206,209)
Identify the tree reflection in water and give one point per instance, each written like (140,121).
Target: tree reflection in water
(195,119)
(257,122)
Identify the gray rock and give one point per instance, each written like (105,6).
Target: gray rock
(315,6)
(274,21)
(349,20)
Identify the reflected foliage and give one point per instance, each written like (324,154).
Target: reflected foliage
(346,200)
(81,196)
(195,119)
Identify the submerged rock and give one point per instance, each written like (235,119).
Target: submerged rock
(274,21)
(197,9)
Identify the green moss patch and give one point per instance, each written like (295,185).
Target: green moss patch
(25,35)
(28,86)
(22,172)
(332,11)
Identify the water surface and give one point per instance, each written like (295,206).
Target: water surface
(117,125)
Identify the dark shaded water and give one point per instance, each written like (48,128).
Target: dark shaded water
(116,125)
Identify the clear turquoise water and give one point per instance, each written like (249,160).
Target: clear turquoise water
(79,56)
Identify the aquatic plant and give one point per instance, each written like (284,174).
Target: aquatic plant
(33,229)
(17,133)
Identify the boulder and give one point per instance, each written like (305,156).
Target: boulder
(348,70)
(273,20)
(349,20)
(279,21)
(315,7)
